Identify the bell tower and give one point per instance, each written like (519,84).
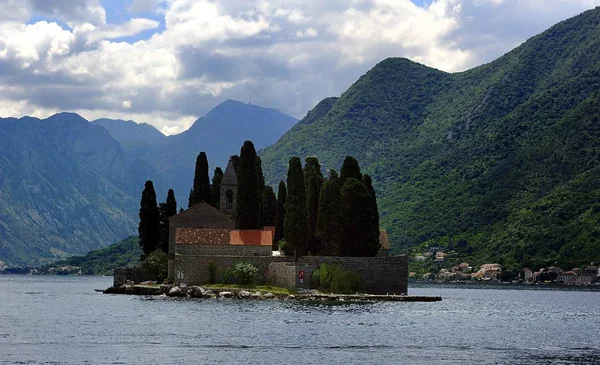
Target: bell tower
(229,189)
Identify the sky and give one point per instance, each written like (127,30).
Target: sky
(167,63)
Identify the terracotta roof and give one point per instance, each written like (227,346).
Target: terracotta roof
(229,177)
(251,237)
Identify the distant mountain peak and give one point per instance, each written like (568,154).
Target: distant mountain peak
(67,118)
(129,131)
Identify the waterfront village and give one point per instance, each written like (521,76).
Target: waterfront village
(494,273)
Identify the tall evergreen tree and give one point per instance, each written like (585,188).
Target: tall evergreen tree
(166,210)
(149,227)
(296,216)
(201,191)
(330,222)
(360,239)
(313,189)
(215,187)
(249,195)
(350,169)
(261,187)
(310,163)
(369,186)
(279,222)
(269,207)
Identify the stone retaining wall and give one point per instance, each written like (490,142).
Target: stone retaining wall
(379,275)
(122,274)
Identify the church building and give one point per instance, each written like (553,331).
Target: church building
(203,231)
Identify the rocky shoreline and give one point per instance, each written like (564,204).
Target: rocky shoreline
(214,293)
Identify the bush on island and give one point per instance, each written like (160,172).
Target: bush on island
(333,279)
(156,265)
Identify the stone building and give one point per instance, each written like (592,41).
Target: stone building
(204,234)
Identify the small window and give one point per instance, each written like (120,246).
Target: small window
(229,199)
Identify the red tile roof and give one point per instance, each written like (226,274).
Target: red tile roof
(251,237)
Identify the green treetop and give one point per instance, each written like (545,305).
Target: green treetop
(279,221)
(330,222)
(269,207)
(249,195)
(350,169)
(369,186)
(201,191)
(149,227)
(313,189)
(296,215)
(216,187)
(360,238)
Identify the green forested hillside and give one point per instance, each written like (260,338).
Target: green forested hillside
(503,158)
(101,262)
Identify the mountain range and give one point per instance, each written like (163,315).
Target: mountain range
(499,163)
(68,186)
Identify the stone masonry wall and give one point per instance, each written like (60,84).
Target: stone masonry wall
(379,275)
(122,274)
(222,250)
(195,268)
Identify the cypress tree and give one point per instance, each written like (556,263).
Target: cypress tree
(350,169)
(279,221)
(296,216)
(269,207)
(330,222)
(149,227)
(163,237)
(369,186)
(215,187)
(360,239)
(201,190)
(191,199)
(261,188)
(249,195)
(166,210)
(310,163)
(313,189)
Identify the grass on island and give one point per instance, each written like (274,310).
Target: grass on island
(260,288)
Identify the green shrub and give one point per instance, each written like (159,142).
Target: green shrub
(334,279)
(285,247)
(212,272)
(156,265)
(245,273)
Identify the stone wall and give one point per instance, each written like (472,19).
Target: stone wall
(222,250)
(205,236)
(122,274)
(379,275)
(194,269)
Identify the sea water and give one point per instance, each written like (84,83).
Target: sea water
(62,320)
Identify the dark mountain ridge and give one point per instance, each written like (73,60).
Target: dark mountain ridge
(66,186)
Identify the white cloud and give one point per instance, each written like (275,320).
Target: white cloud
(128,29)
(287,55)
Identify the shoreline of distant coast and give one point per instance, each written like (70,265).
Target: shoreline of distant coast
(501,285)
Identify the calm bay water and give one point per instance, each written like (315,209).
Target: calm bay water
(61,320)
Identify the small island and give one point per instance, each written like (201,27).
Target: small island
(237,239)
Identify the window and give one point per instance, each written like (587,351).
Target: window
(229,199)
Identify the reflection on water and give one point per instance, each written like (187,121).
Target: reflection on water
(61,320)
